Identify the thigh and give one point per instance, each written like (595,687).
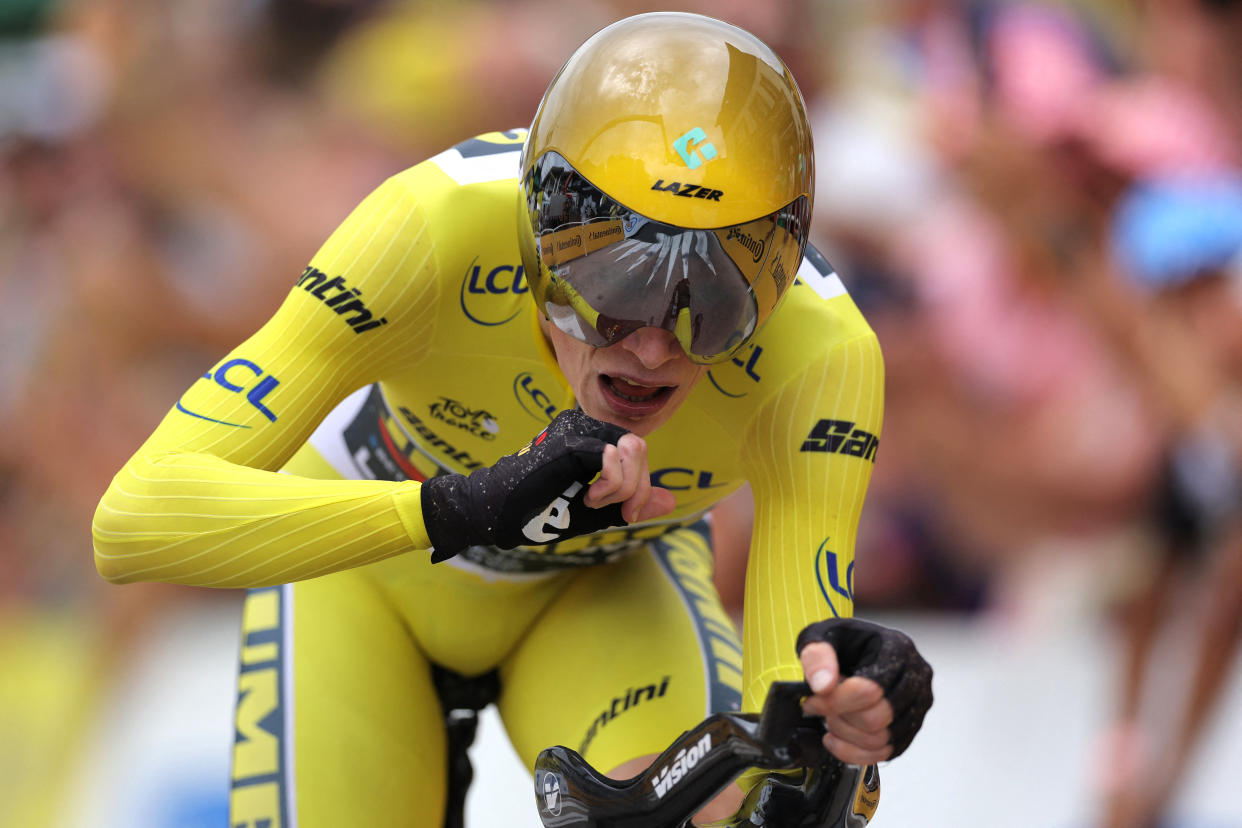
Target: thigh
(337,721)
(628,656)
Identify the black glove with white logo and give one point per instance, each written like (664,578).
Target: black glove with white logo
(889,658)
(531,497)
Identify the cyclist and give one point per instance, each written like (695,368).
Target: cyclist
(627,275)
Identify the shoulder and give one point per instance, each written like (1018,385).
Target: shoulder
(400,253)
(464,195)
(814,325)
(490,158)
(819,297)
(816,317)
(455,195)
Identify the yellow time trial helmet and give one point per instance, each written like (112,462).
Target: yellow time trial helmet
(667,181)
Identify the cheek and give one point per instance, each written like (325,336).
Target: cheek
(575,362)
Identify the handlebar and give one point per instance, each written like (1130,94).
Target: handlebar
(700,763)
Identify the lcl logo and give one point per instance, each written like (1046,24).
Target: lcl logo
(481,289)
(241,376)
(533,400)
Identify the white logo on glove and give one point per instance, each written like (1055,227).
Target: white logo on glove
(555,516)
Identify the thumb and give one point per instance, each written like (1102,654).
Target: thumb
(819,664)
(660,502)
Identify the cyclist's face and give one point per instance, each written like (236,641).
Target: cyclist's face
(636,383)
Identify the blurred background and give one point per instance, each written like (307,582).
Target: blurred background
(1037,204)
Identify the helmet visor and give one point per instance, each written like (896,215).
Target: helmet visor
(611,271)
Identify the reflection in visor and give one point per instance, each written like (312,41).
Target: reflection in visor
(612,271)
(679,280)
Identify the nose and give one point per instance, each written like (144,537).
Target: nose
(653,346)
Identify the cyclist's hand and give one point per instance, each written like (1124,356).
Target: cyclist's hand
(870,684)
(626,479)
(539,494)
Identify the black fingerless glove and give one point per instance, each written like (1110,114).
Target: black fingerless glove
(531,497)
(889,658)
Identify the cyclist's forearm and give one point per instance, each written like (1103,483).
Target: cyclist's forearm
(195,519)
(809,488)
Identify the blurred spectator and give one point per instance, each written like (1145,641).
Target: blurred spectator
(1132,213)
(1177,241)
(1129,217)
(1197,43)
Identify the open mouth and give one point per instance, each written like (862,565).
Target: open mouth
(634,392)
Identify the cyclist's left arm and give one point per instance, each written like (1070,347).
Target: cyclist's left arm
(809,455)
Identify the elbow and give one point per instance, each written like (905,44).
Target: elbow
(110,567)
(108,563)
(110,571)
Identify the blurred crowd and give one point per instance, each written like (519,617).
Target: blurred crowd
(1037,204)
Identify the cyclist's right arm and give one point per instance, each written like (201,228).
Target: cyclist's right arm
(202,503)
